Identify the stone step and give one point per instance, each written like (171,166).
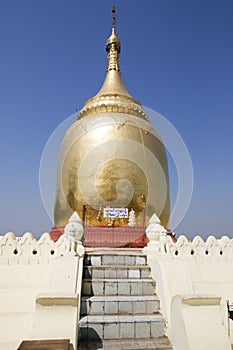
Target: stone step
(99,305)
(114,259)
(118,287)
(161,343)
(121,327)
(119,271)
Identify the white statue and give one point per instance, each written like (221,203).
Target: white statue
(74,231)
(157,235)
(132,219)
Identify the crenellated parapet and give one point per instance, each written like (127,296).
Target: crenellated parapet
(28,250)
(161,243)
(199,248)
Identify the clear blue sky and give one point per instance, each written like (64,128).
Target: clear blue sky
(177,58)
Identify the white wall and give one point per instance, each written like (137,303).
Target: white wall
(194,281)
(40,283)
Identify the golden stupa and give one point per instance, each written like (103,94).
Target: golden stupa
(112,157)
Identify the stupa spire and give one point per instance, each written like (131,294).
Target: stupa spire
(113,46)
(113,95)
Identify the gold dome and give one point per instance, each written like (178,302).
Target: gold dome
(112,156)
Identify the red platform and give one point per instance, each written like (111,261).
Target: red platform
(118,237)
(123,236)
(103,236)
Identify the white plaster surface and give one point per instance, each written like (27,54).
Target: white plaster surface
(193,281)
(198,322)
(39,289)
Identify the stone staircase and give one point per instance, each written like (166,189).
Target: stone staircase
(119,308)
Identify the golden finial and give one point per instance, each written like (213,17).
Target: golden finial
(113,17)
(113,46)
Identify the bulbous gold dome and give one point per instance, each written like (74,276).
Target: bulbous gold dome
(112,156)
